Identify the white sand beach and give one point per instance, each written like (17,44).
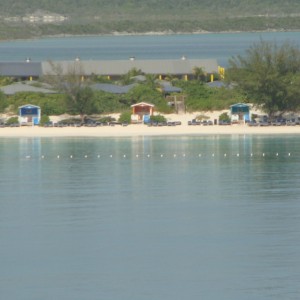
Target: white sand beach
(135,130)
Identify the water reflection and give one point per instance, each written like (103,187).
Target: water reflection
(157,227)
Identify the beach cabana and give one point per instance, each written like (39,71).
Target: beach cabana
(29,114)
(141,112)
(240,112)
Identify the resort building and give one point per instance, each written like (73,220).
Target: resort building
(182,68)
(26,70)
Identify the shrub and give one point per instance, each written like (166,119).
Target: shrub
(53,105)
(44,119)
(69,121)
(12,120)
(202,117)
(125,117)
(158,118)
(224,117)
(107,119)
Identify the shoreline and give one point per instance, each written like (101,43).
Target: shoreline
(168,32)
(143,130)
(148,33)
(140,130)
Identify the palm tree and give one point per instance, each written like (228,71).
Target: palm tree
(151,80)
(127,78)
(199,74)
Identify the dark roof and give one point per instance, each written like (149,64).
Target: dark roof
(20,69)
(112,88)
(138,78)
(23,87)
(217,84)
(168,88)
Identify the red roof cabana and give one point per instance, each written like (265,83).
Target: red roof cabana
(141,111)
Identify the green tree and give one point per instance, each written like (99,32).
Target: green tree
(107,102)
(151,81)
(79,96)
(81,103)
(128,77)
(269,76)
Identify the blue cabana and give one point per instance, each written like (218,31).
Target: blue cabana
(29,114)
(240,112)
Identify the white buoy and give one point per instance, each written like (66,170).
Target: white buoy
(251,154)
(183,154)
(237,154)
(263,154)
(277,154)
(98,155)
(85,156)
(148,155)
(225,154)
(213,155)
(71,156)
(58,156)
(199,154)
(43,156)
(124,155)
(137,155)
(28,156)
(161,155)
(289,154)
(110,155)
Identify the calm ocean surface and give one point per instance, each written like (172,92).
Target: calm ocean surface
(220,46)
(214,217)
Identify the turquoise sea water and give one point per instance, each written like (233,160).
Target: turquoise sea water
(220,46)
(214,217)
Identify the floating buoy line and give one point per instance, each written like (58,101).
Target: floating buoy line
(163,156)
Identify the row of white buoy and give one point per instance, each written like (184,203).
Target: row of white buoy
(162,155)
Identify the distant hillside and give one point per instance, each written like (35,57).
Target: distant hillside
(33,18)
(96,7)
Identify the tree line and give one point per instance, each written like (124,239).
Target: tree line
(95,7)
(134,16)
(268,76)
(168,24)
